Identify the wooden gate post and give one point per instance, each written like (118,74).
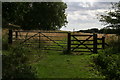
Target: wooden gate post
(69,44)
(10,36)
(16,34)
(39,40)
(103,42)
(94,43)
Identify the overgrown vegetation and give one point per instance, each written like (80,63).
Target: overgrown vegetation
(17,61)
(16,64)
(108,61)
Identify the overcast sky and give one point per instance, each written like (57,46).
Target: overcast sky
(82,14)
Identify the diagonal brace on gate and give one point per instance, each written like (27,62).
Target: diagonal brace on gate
(82,43)
(51,40)
(29,38)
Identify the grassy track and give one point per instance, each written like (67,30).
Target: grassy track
(56,65)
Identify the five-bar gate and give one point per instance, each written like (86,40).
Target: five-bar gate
(58,40)
(85,43)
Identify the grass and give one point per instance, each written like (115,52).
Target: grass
(56,65)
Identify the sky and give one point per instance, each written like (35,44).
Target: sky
(82,14)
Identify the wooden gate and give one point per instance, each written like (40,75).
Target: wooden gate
(45,40)
(85,43)
(59,41)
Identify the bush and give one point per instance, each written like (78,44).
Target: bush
(4,42)
(108,62)
(16,64)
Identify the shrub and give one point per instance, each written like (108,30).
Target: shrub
(108,62)
(16,64)
(4,42)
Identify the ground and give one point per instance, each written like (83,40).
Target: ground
(57,65)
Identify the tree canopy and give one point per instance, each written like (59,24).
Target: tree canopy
(112,17)
(35,15)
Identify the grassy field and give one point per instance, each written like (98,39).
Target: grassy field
(54,64)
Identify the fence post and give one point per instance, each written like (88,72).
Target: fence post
(94,43)
(103,42)
(69,44)
(16,34)
(39,40)
(10,36)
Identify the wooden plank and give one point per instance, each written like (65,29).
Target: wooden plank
(26,31)
(63,43)
(50,47)
(81,40)
(38,36)
(52,36)
(40,31)
(25,35)
(99,43)
(30,44)
(82,44)
(18,39)
(99,38)
(80,35)
(83,47)
(53,32)
(50,40)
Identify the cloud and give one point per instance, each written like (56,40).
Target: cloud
(90,0)
(84,16)
(73,6)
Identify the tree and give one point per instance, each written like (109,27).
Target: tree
(112,18)
(35,15)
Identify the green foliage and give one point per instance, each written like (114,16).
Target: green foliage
(92,30)
(5,45)
(65,51)
(108,31)
(16,64)
(16,61)
(108,62)
(112,18)
(32,15)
